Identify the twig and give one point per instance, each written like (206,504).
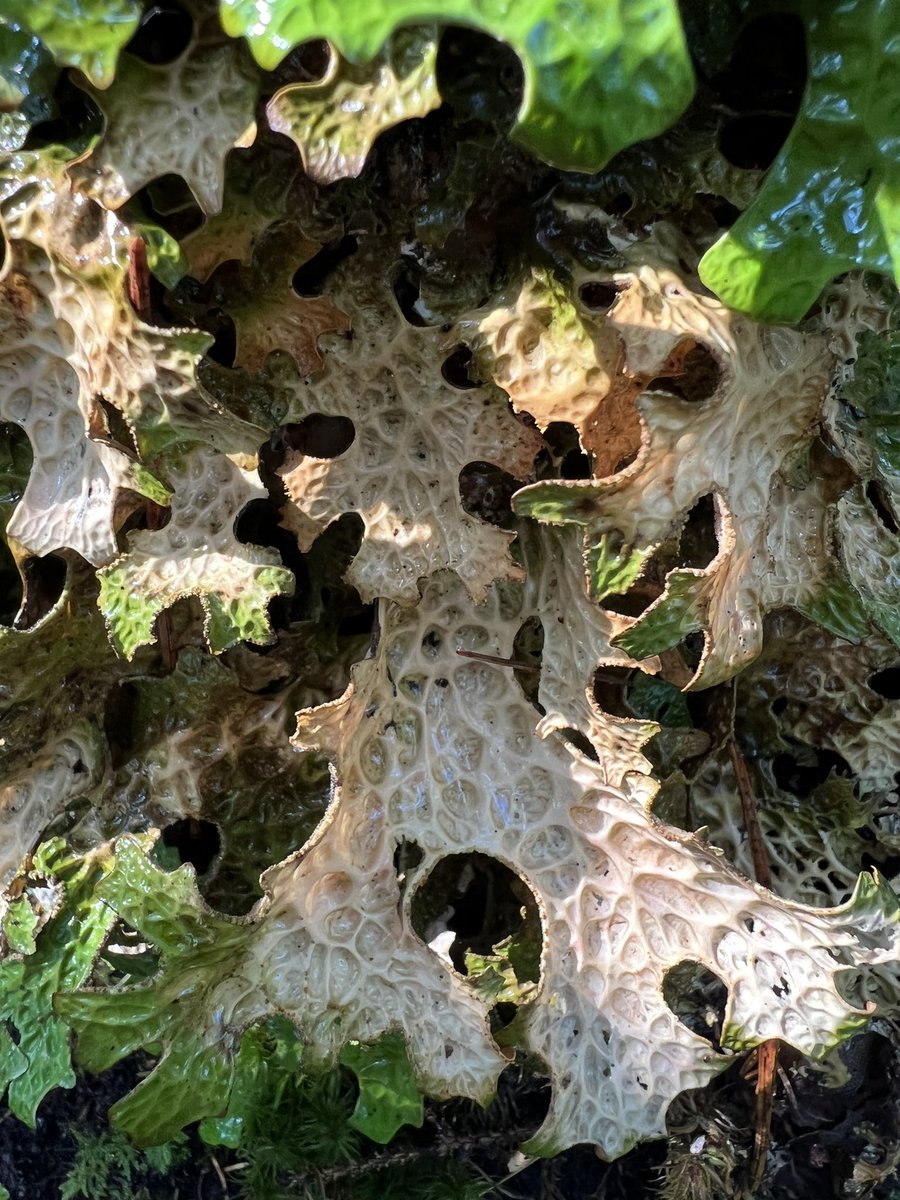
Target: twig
(758,852)
(497,661)
(766,1066)
(766,1052)
(139,278)
(446,1147)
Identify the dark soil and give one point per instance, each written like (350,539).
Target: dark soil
(839,1142)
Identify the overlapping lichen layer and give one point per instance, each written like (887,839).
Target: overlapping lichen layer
(313,428)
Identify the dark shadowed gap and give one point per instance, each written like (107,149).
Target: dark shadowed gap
(224,347)
(309,280)
(44,580)
(195,841)
(407,287)
(77,118)
(577,740)
(486,492)
(479,77)
(724,213)
(259,524)
(698,999)
(316,436)
(119,714)
(527,649)
(482,901)
(170,203)
(878,498)
(610,690)
(458,367)
(695,381)
(886,683)
(307,63)
(804,768)
(407,856)
(599,295)
(752,142)
(698,544)
(163,35)
(563,440)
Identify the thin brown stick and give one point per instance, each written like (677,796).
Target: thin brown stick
(766,1068)
(766,1052)
(758,852)
(139,278)
(497,661)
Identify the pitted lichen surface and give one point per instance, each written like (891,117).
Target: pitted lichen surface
(436,749)
(380,481)
(412,435)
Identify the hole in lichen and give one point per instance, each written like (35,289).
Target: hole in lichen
(457,369)
(406,284)
(319,436)
(119,714)
(527,649)
(600,295)
(575,465)
(486,491)
(724,213)
(691,650)
(309,280)
(698,544)
(327,596)
(479,77)
(360,621)
(610,687)
(407,856)
(194,841)
(782,989)
(224,347)
(804,768)
(698,998)
(695,381)
(266,804)
(565,447)
(77,118)
(259,524)
(878,498)
(778,705)
(752,142)
(482,902)
(620,205)
(577,740)
(127,957)
(119,430)
(43,582)
(700,374)
(307,63)
(886,683)
(163,35)
(169,202)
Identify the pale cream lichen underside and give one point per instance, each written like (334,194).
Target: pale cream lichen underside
(70,342)
(189,114)
(335,121)
(413,435)
(743,444)
(436,749)
(197,554)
